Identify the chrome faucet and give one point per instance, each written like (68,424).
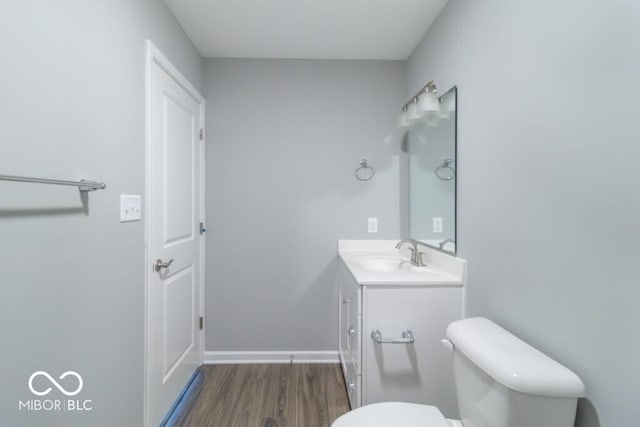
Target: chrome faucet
(416,257)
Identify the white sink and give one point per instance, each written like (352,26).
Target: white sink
(378,262)
(389,264)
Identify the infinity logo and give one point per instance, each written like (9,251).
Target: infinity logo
(55,383)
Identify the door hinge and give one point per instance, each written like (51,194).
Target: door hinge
(201,134)
(201,322)
(203,229)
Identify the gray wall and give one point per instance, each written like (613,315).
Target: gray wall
(284,138)
(548,177)
(72,279)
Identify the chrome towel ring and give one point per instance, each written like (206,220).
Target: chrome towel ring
(364,172)
(445,172)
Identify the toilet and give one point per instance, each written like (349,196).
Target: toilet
(501,381)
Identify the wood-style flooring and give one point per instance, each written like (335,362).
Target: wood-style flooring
(299,395)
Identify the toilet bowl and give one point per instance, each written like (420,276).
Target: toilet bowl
(399,414)
(500,381)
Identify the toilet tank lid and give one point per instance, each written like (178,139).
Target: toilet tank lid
(512,362)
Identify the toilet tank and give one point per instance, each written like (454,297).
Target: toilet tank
(501,381)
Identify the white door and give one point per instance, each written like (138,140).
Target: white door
(174,348)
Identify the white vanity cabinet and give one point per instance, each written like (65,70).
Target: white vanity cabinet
(419,372)
(350,326)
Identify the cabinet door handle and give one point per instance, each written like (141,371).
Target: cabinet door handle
(351,331)
(351,386)
(407,338)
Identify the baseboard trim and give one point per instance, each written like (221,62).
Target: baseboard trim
(245,357)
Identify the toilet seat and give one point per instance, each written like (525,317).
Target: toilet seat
(392,414)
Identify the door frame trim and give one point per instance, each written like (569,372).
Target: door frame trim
(155,56)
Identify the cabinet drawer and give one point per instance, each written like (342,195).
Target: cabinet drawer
(344,320)
(350,337)
(352,380)
(350,287)
(353,327)
(350,324)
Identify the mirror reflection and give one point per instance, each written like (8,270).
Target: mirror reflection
(432,176)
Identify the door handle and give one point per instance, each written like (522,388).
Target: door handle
(159,264)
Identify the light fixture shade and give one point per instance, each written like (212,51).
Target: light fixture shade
(403,120)
(429,103)
(412,113)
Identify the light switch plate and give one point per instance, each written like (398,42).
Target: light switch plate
(130,208)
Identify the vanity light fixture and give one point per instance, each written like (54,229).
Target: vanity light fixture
(403,119)
(429,106)
(429,102)
(413,114)
(424,106)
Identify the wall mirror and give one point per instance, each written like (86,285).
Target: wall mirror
(432,176)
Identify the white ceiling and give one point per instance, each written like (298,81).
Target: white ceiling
(313,29)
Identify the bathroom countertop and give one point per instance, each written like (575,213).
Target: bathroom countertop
(442,269)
